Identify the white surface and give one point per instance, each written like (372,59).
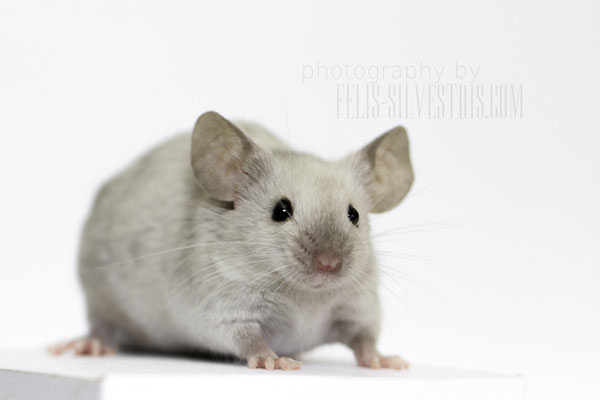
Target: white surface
(25,376)
(87,86)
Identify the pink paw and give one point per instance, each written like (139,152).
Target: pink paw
(273,362)
(376,362)
(87,346)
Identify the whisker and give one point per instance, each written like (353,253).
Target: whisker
(394,280)
(402,302)
(428,261)
(191,246)
(415,228)
(408,279)
(219,273)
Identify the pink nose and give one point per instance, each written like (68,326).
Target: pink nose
(327,261)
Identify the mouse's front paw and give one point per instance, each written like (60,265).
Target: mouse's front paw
(273,362)
(377,361)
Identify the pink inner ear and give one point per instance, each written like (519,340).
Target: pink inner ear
(230,170)
(386,165)
(226,159)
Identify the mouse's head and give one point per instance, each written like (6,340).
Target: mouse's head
(296,220)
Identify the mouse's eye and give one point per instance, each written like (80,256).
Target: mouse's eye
(282,210)
(352,214)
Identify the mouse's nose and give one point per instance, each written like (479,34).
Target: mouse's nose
(327,261)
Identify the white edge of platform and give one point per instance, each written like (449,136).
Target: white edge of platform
(35,376)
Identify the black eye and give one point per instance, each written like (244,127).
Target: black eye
(282,210)
(352,214)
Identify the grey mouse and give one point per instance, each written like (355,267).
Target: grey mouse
(228,242)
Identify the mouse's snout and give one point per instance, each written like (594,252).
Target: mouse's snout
(327,260)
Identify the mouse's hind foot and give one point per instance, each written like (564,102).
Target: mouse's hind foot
(85,346)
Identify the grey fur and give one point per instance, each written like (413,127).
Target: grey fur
(164,266)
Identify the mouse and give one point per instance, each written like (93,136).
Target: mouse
(226,241)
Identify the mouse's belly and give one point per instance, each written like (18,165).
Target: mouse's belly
(299,331)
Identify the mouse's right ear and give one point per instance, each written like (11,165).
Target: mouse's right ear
(218,150)
(384,167)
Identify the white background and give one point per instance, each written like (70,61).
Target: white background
(506,209)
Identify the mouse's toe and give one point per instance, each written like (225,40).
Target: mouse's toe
(86,346)
(378,361)
(394,362)
(273,362)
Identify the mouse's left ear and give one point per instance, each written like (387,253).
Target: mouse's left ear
(385,169)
